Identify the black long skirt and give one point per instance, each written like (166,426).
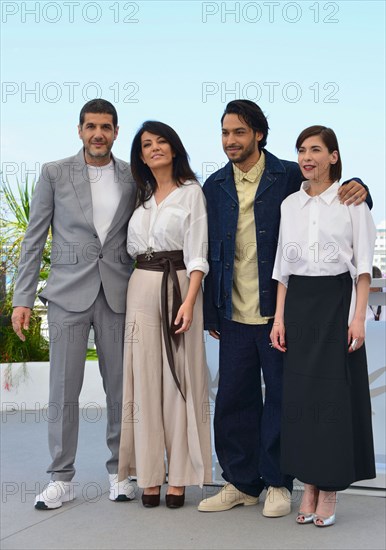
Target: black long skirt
(326,436)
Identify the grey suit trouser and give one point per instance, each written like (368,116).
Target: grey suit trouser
(69,333)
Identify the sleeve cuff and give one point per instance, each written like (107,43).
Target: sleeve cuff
(198,264)
(364,268)
(283,279)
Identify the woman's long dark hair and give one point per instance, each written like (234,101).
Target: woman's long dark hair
(142,174)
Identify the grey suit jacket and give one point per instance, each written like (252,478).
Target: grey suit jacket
(79,263)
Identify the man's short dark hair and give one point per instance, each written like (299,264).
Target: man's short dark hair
(99,106)
(252,115)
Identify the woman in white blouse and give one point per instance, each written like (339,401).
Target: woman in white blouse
(323,267)
(165,372)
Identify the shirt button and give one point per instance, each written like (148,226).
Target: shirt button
(100,256)
(228,235)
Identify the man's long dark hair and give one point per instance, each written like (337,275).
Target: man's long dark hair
(142,174)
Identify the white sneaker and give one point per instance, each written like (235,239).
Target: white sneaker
(120,491)
(54,495)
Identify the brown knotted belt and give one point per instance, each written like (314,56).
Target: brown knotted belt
(169,263)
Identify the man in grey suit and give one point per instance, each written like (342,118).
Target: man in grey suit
(87,201)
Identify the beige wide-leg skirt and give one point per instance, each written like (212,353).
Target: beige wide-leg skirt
(156,421)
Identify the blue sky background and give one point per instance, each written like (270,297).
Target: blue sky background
(180,62)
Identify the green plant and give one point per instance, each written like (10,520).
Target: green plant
(14,217)
(35,347)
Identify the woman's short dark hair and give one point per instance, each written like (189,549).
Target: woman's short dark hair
(141,172)
(330,141)
(251,114)
(100,106)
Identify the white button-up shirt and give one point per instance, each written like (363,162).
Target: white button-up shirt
(320,236)
(179,222)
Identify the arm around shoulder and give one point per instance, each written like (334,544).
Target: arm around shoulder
(354,191)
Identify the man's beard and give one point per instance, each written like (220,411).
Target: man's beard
(244,155)
(99,154)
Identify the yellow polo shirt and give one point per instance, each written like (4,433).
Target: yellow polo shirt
(245,292)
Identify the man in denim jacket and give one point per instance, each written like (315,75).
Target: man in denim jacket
(243,201)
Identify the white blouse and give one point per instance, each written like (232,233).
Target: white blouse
(179,222)
(320,236)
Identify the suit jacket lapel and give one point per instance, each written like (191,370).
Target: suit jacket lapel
(121,171)
(81,183)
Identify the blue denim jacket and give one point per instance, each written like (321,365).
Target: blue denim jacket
(280,178)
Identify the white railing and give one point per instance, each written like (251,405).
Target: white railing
(378,298)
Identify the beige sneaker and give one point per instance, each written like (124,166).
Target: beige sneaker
(226,499)
(277,502)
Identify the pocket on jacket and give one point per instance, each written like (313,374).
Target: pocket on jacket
(63,258)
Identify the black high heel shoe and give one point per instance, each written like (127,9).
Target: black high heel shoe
(175,501)
(151,501)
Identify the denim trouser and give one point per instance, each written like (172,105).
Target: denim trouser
(247,431)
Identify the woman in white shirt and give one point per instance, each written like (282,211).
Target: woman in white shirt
(323,267)
(165,401)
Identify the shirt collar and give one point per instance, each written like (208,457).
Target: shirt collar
(327,196)
(254,173)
